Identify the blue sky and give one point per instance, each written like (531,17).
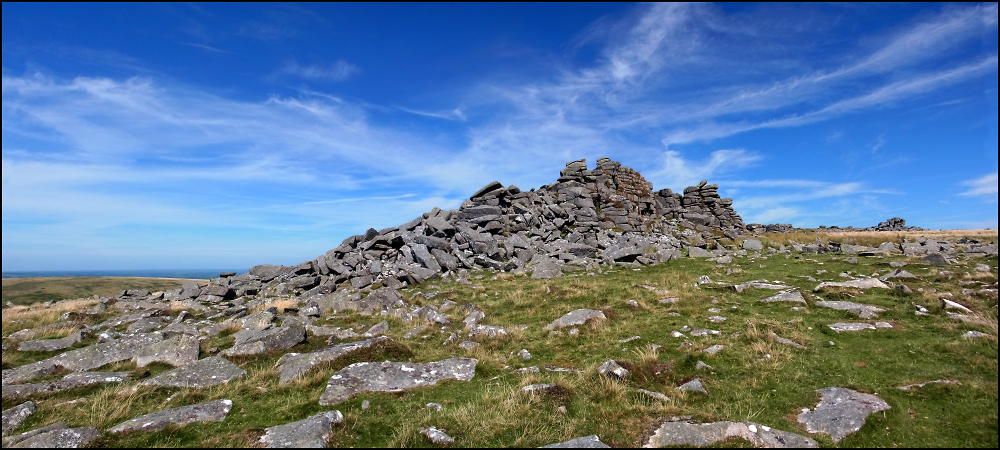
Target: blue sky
(198,136)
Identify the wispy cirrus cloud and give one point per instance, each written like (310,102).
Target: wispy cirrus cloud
(340,70)
(984,186)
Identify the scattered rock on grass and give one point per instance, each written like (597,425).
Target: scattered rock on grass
(864,283)
(702,366)
(838,327)
(948,304)
(920,385)
(436,436)
(654,395)
(840,412)
(202,374)
(786,296)
(214,411)
(703,332)
(575,318)
(51,345)
(309,433)
(790,342)
(693,386)
(611,369)
(862,311)
(71,381)
(714,349)
(703,435)
(394,377)
(974,334)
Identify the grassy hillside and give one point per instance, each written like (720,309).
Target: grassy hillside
(754,378)
(27,291)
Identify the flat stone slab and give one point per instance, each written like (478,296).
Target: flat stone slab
(293,365)
(202,374)
(841,412)
(838,327)
(394,377)
(71,381)
(862,311)
(974,335)
(580,442)
(60,438)
(215,411)
(575,318)
(714,349)
(309,433)
(178,351)
(864,283)
(80,360)
(14,417)
(701,332)
(786,296)
(51,345)
(900,274)
(13,441)
(537,388)
(705,434)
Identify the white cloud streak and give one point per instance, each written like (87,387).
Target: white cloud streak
(340,70)
(985,186)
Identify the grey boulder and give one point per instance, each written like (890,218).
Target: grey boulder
(202,374)
(51,345)
(214,411)
(693,386)
(71,381)
(394,377)
(270,340)
(863,283)
(702,435)
(436,436)
(611,369)
(309,433)
(841,412)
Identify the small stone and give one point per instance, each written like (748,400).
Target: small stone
(632,303)
(435,406)
(578,317)
(524,354)
(920,385)
(468,345)
(704,332)
(703,366)
(633,338)
(436,436)
(611,369)
(668,301)
(786,296)
(693,386)
(654,395)
(677,334)
(714,349)
(948,304)
(365,405)
(561,410)
(525,370)
(974,334)
(537,388)
(862,311)
(839,327)
(716,319)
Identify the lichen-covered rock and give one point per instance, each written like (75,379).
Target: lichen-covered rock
(693,386)
(838,327)
(581,442)
(292,366)
(864,283)
(436,436)
(841,412)
(575,318)
(178,351)
(71,381)
(672,434)
(214,411)
(269,340)
(611,369)
(309,433)
(394,377)
(14,417)
(51,345)
(87,358)
(202,374)
(61,438)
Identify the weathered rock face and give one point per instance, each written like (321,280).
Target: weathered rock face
(862,311)
(202,374)
(178,352)
(87,358)
(674,434)
(71,381)
(841,412)
(309,433)
(575,318)
(215,411)
(394,377)
(582,442)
